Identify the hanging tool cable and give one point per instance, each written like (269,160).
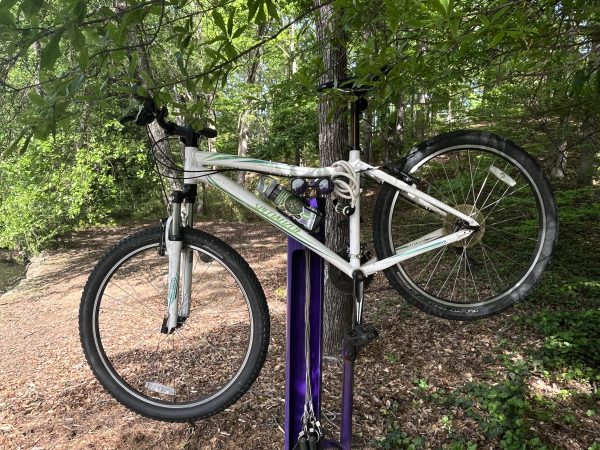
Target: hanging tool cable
(311,432)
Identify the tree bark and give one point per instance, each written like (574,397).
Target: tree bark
(367,136)
(333,145)
(242,129)
(585,168)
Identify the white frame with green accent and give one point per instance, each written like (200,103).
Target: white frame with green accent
(198,162)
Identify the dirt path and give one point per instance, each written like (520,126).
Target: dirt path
(48,396)
(404,380)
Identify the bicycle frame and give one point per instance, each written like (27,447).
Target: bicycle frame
(197,161)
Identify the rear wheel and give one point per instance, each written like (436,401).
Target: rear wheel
(503,188)
(211,358)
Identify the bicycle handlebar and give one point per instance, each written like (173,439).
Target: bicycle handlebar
(148,112)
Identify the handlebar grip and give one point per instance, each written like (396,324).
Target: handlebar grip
(208,132)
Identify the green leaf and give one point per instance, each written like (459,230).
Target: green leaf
(77,38)
(6,18)
(78,10)
(579,80)
(135,17)
(252,8)
(261,16)
(272,9)
(440,6)
(239,31)
(230,50)
(140,91)
(190,85)
(51,51)
(84,59)
(36,98)
(91,34)
(111,31)
(181,64)
(484,20)
(31,7)
(219,21)
(147,79)
(133,63)
(497,39)
(5,4)
(118,56)
(454,25)
(122,33)
(230,24)
(185,41)
(75,85)
(42,130)
(213,54)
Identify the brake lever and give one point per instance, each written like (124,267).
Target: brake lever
(144,117)
(128,118)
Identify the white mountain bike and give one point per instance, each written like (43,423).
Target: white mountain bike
(175,325)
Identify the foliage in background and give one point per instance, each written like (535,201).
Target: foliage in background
(528,70)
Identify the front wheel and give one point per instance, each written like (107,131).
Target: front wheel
(210,359)
(502,187)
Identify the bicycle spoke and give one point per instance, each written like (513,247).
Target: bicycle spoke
(449,184)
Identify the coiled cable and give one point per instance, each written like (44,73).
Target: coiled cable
(345,182)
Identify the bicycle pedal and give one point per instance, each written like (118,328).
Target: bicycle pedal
(361,335)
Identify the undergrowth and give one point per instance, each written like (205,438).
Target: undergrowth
(563,315)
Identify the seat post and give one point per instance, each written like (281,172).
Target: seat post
(357,106)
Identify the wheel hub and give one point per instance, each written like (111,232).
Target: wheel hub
(452,224)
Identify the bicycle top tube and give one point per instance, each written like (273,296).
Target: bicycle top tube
(195,160)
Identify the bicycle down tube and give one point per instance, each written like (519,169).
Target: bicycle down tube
(196,162)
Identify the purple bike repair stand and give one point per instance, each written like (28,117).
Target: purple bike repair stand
(295,366)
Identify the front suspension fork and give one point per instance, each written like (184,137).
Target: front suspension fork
(180,259)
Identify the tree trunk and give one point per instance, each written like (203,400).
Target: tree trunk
(242,129)
(585,169)
(333,144)
(367,136)
(399,134)
(559,164)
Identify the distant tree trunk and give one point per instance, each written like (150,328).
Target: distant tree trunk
(559,164)
(367,136)
(585,169)
(333,144)
(242,129)
(37,47)
(399,134)
(387,132)
(201,202)
(421,116)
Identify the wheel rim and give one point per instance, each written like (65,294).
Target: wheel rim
(201,359)
(490,264)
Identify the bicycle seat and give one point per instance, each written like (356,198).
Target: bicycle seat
(349,84)
(353,84)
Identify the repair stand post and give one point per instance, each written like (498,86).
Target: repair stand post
(295,367)
(349,355)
